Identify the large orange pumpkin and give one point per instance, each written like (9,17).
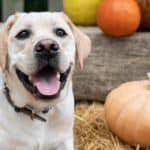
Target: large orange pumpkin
(127,111)
(118,17)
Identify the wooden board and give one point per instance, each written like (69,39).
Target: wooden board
(55,5)
(112,62)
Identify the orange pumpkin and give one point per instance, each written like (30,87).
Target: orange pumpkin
(127,111)
(118,17)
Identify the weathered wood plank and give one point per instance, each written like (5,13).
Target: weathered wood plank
(10,7)
(112,62)
(55,5)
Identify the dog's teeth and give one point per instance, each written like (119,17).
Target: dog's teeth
(58,75)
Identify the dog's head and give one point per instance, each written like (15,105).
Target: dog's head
(37,55)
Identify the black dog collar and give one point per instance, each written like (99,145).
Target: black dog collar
(29,111)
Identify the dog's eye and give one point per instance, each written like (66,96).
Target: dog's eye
(23,34)
(60,32)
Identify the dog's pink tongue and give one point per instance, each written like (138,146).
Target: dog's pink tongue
(47,86)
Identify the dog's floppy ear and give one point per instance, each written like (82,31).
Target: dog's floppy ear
(3,40)
(83,43)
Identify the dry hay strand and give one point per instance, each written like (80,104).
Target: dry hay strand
(91,130)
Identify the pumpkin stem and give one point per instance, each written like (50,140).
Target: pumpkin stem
(148,86)
(148,75)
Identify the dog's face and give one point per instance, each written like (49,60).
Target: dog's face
(37,54)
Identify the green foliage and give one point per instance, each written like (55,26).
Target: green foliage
(35,5)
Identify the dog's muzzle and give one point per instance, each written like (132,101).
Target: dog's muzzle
(48,80)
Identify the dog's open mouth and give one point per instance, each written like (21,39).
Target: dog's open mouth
(45,84)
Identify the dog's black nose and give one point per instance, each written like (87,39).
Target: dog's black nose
(46,46)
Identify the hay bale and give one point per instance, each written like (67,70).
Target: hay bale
(92,132)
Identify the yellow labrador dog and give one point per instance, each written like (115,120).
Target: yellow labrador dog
(37,58)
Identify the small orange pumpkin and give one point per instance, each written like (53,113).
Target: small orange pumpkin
(127,111)
(118,17)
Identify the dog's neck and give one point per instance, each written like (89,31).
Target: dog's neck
(27,110)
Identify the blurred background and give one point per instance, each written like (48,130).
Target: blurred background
(120,35)
(8,7)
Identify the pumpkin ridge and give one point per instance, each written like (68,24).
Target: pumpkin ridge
(137,100)
(124,103)
(137,127)
(110,104)
(128,103)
